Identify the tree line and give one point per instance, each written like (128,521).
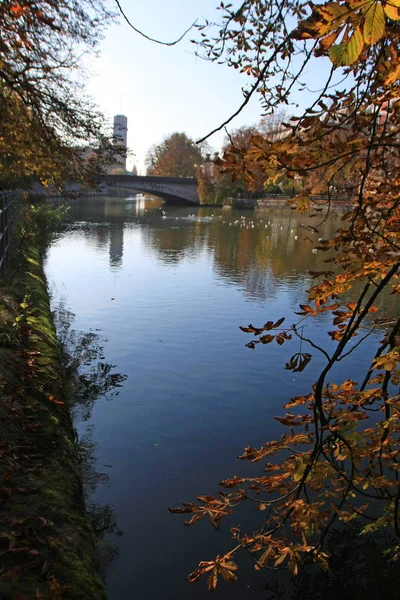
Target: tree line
(48,125)
(179,156)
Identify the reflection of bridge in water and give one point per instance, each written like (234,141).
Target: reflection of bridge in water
(174,190)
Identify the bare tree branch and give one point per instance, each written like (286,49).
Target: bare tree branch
(148,37)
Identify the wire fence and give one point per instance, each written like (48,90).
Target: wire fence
(9,202)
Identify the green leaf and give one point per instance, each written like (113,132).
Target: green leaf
(374,24)
(298,474)
(347,53)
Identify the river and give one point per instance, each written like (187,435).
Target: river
(165,295)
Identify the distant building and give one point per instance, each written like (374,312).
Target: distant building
(121,134)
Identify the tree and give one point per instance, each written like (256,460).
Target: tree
(339,460)
(272,126)
(240,140)
(216,187)
(176,156)
(46,121)
(236,142)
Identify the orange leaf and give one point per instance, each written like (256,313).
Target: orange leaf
(17,10)
(55,401)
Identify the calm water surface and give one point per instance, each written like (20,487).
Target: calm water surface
(166,294)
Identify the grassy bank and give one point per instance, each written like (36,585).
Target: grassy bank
(47,545)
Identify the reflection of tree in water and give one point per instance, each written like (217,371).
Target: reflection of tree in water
(357,570)
(102,516)
(254,256)
(257,257)
(90,378)
(172,242)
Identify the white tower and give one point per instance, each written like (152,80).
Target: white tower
(121,133)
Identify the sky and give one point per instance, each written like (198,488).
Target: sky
(166,89)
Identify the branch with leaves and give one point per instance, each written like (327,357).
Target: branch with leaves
(339,460)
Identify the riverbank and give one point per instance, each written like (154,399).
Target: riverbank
(47,545)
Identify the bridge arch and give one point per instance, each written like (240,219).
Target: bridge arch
(174,190)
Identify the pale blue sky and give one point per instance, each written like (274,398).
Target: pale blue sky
(165,89)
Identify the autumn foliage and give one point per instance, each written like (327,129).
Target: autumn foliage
(45,117)
(339,460)
(176,156)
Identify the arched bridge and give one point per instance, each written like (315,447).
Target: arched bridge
(176,190)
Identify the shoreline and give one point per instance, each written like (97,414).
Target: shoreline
(47,542)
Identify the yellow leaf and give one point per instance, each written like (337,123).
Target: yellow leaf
(229,564)
(327,42)
(347,53)
(293,567)
(374,24)
(323,21)
(392,11)
(393,75)
(227,574)
(332,11)
(302,204)
(280,559)
(299,473)
(265,556)
(389,366)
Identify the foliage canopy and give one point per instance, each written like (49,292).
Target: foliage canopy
(176,156)
(46,119)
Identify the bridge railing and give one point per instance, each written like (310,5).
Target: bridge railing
(8,209)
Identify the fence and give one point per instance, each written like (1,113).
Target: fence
(8,209)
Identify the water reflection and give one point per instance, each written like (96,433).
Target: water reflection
(90,379)
(357,570)
(258,250)
(254,250)
(169,291)
(89,375)
(113,212)
(116,246)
